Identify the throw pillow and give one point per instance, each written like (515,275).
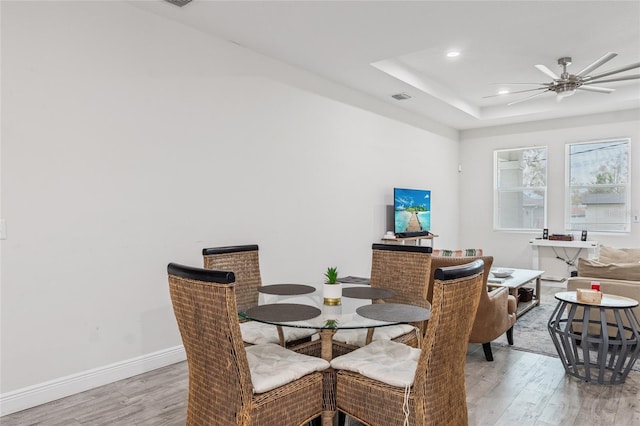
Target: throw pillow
(615,271)
(619,255)
(457,253)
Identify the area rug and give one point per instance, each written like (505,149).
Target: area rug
(530,332)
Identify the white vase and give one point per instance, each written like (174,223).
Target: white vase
(332,294)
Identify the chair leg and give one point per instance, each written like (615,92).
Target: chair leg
(486,347)
(510,335)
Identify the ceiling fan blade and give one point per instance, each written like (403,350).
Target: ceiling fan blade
(596,89)
(615,71)
(626,77)
(513,84)
(548,72)
(527,98)
(519,91)
(606,58)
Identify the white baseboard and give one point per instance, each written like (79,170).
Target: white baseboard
(31,396)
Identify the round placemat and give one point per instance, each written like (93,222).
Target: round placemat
(282,312)
(394,312)
(367,293)
(286,289)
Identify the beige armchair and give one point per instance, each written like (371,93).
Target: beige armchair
(497,309)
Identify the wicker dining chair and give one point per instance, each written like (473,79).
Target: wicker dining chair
(497,309)
(405,270)
(222,375)
(244,261)
(427,383)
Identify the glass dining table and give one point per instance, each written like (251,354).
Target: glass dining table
(301,306)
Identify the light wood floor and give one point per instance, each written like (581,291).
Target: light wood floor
(518,388)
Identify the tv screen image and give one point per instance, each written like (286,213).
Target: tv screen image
(412,210)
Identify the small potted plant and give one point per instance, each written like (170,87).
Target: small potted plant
(332,290)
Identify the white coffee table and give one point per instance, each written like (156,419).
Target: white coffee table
(517,279)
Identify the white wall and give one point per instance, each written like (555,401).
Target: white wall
(129,142)
(476,183)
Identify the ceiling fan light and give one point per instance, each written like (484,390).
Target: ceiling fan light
(565,94)
(565,89)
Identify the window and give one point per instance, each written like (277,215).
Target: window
(598,186)
(520,189)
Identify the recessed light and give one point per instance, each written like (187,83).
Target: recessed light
(503,91)
(400,96)
(453,54)
(179,2)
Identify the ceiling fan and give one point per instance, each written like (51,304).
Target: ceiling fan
(566,84)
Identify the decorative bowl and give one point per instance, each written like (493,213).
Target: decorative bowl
(502,272)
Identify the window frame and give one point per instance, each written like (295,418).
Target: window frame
(497,191)
(568,223)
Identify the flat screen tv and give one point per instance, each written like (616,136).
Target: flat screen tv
(412,211)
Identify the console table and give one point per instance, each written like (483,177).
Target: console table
(591,247)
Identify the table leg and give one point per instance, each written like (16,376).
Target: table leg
(329,380)
(283,343)
(527,305)
(535,258)
(369,338)
(538,281)
(584,342)
(326,343)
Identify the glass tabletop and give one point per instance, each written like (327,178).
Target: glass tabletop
(328,317)
(394,312)
(308,311)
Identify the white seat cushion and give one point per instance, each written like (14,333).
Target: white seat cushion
(383,360)
(358,337)
(258,333)
(272,366)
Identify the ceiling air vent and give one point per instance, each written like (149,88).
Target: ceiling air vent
(400,96)
(179,2)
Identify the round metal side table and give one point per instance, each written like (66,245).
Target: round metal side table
(596,342)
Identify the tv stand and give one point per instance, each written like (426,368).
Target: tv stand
(416,240)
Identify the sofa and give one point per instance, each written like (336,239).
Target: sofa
(616,269)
